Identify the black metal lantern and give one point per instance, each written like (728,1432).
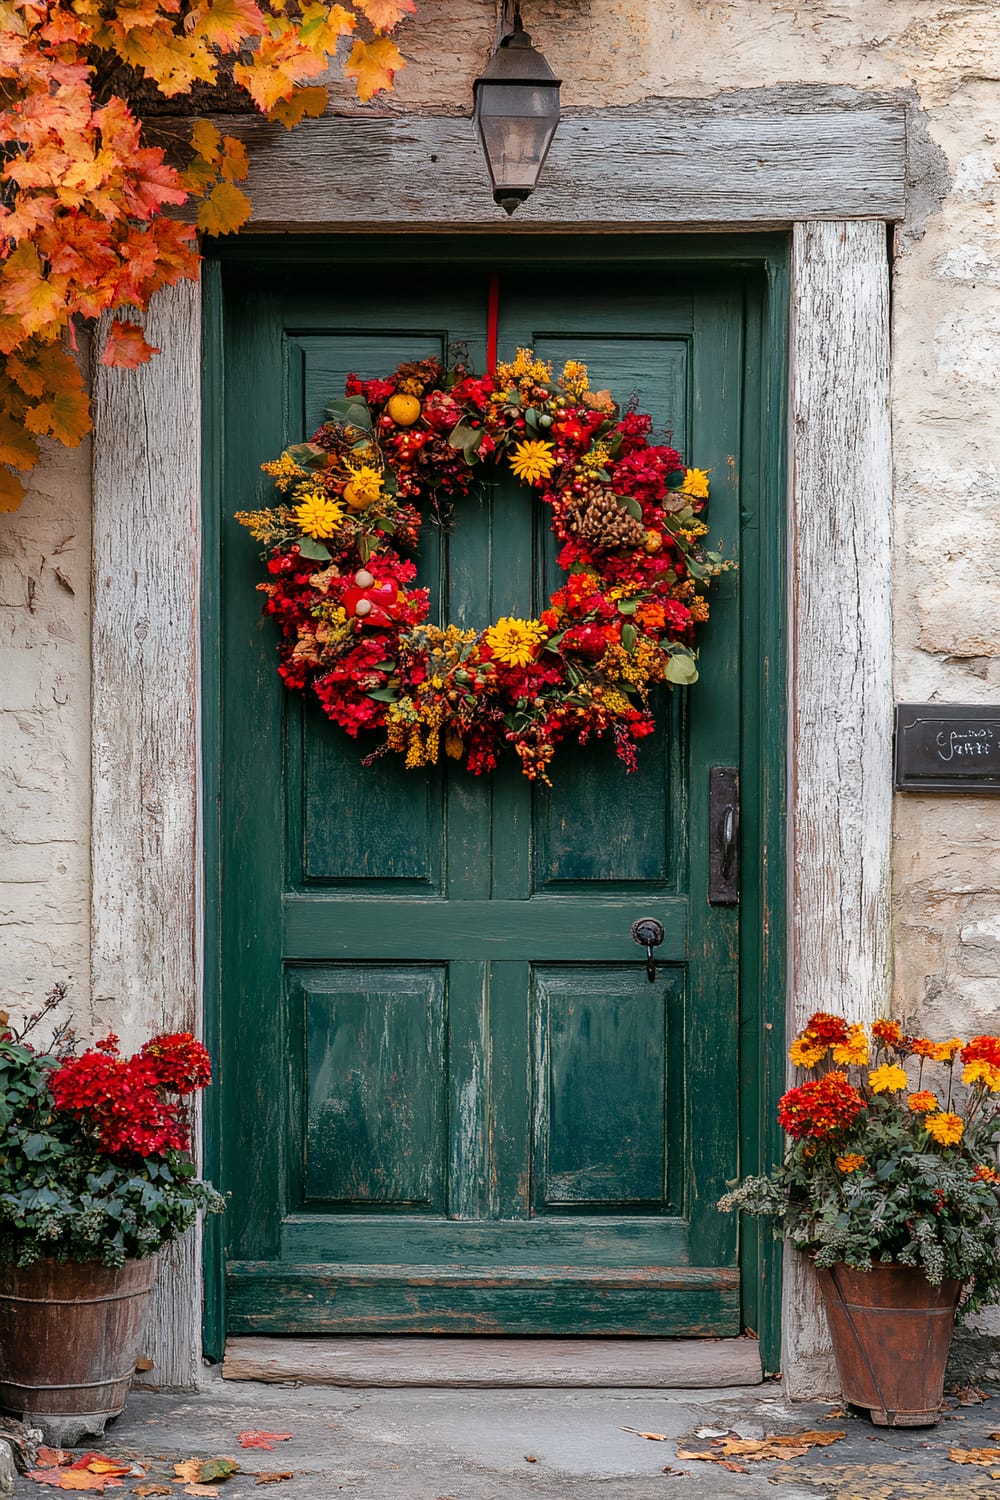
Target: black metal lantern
(516,113)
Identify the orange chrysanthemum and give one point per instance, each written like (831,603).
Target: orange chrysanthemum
(850,1163)
(805,1053)
(981,1071)
(921,1046)
(889,1033)
(945,1051)
(982,1049)
(923,1101)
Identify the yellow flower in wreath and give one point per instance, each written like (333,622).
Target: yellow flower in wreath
(316,515)
(515,642)
(850,1163)
(696,484)
(532,461)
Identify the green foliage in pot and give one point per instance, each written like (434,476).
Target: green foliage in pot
(891,1158)
(94,1159)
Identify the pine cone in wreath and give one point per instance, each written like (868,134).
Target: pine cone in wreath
(600,519)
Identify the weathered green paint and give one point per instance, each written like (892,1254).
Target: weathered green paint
(463,1064)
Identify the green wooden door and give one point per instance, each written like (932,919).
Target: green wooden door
(451,1100)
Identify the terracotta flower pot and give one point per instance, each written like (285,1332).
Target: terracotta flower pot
(69,1339)
(891,1332)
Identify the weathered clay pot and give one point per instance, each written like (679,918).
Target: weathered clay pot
(891,1332)
(69,1339)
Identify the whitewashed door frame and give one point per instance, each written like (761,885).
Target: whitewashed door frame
(146,660)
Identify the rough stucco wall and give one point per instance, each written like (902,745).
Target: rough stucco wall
(44,738)
(945,58)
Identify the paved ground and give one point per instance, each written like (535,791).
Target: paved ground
(539,1445)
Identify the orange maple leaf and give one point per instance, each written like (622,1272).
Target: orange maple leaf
(253,1438)
(279,63)
(27,294)
(126,346)
(224,210)
(374,65)
(17,447)
(385,14)
(235,162)
(309,101)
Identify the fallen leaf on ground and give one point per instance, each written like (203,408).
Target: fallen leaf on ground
(654,1437)
(53,1458)
(201,1489)
(530,1458)
(675,1473)
(152,1489)
(786,1446)
(982,1456)
(79,1479)
(254,1439)
(968,1395)
(714,1458)
(272,1478)
(205,1470)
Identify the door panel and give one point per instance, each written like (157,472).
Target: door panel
(453,1100)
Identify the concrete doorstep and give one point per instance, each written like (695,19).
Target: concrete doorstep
(540,1444)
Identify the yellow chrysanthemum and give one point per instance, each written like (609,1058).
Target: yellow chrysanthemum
(317,515)
(887,1079)
(515,642)
(981,1071)
(806,1053)
(696,484)
(533,460)
(945,1051)
(922,1102)
(945,1128)
(855,1049)
(366,482)
(850,1163)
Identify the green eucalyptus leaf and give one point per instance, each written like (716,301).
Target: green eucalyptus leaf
(682,670)
(315,550)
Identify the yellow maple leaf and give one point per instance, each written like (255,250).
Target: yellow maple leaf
(322,26)
(384,14)
(374,65)
(309,102)
(226,23)
(206,141)
(224,210)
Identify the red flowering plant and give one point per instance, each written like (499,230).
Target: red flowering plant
(892,1154)
(94,1149)
(625,510)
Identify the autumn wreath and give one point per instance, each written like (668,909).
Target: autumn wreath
(354,629)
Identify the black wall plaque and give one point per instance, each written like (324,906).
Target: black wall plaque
(947,747)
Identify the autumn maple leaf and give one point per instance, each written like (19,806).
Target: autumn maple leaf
(224,211)
(126,346)
(309,102)
(226,23)
(374,64)
(385,14)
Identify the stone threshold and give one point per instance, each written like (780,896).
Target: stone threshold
(650,1364)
